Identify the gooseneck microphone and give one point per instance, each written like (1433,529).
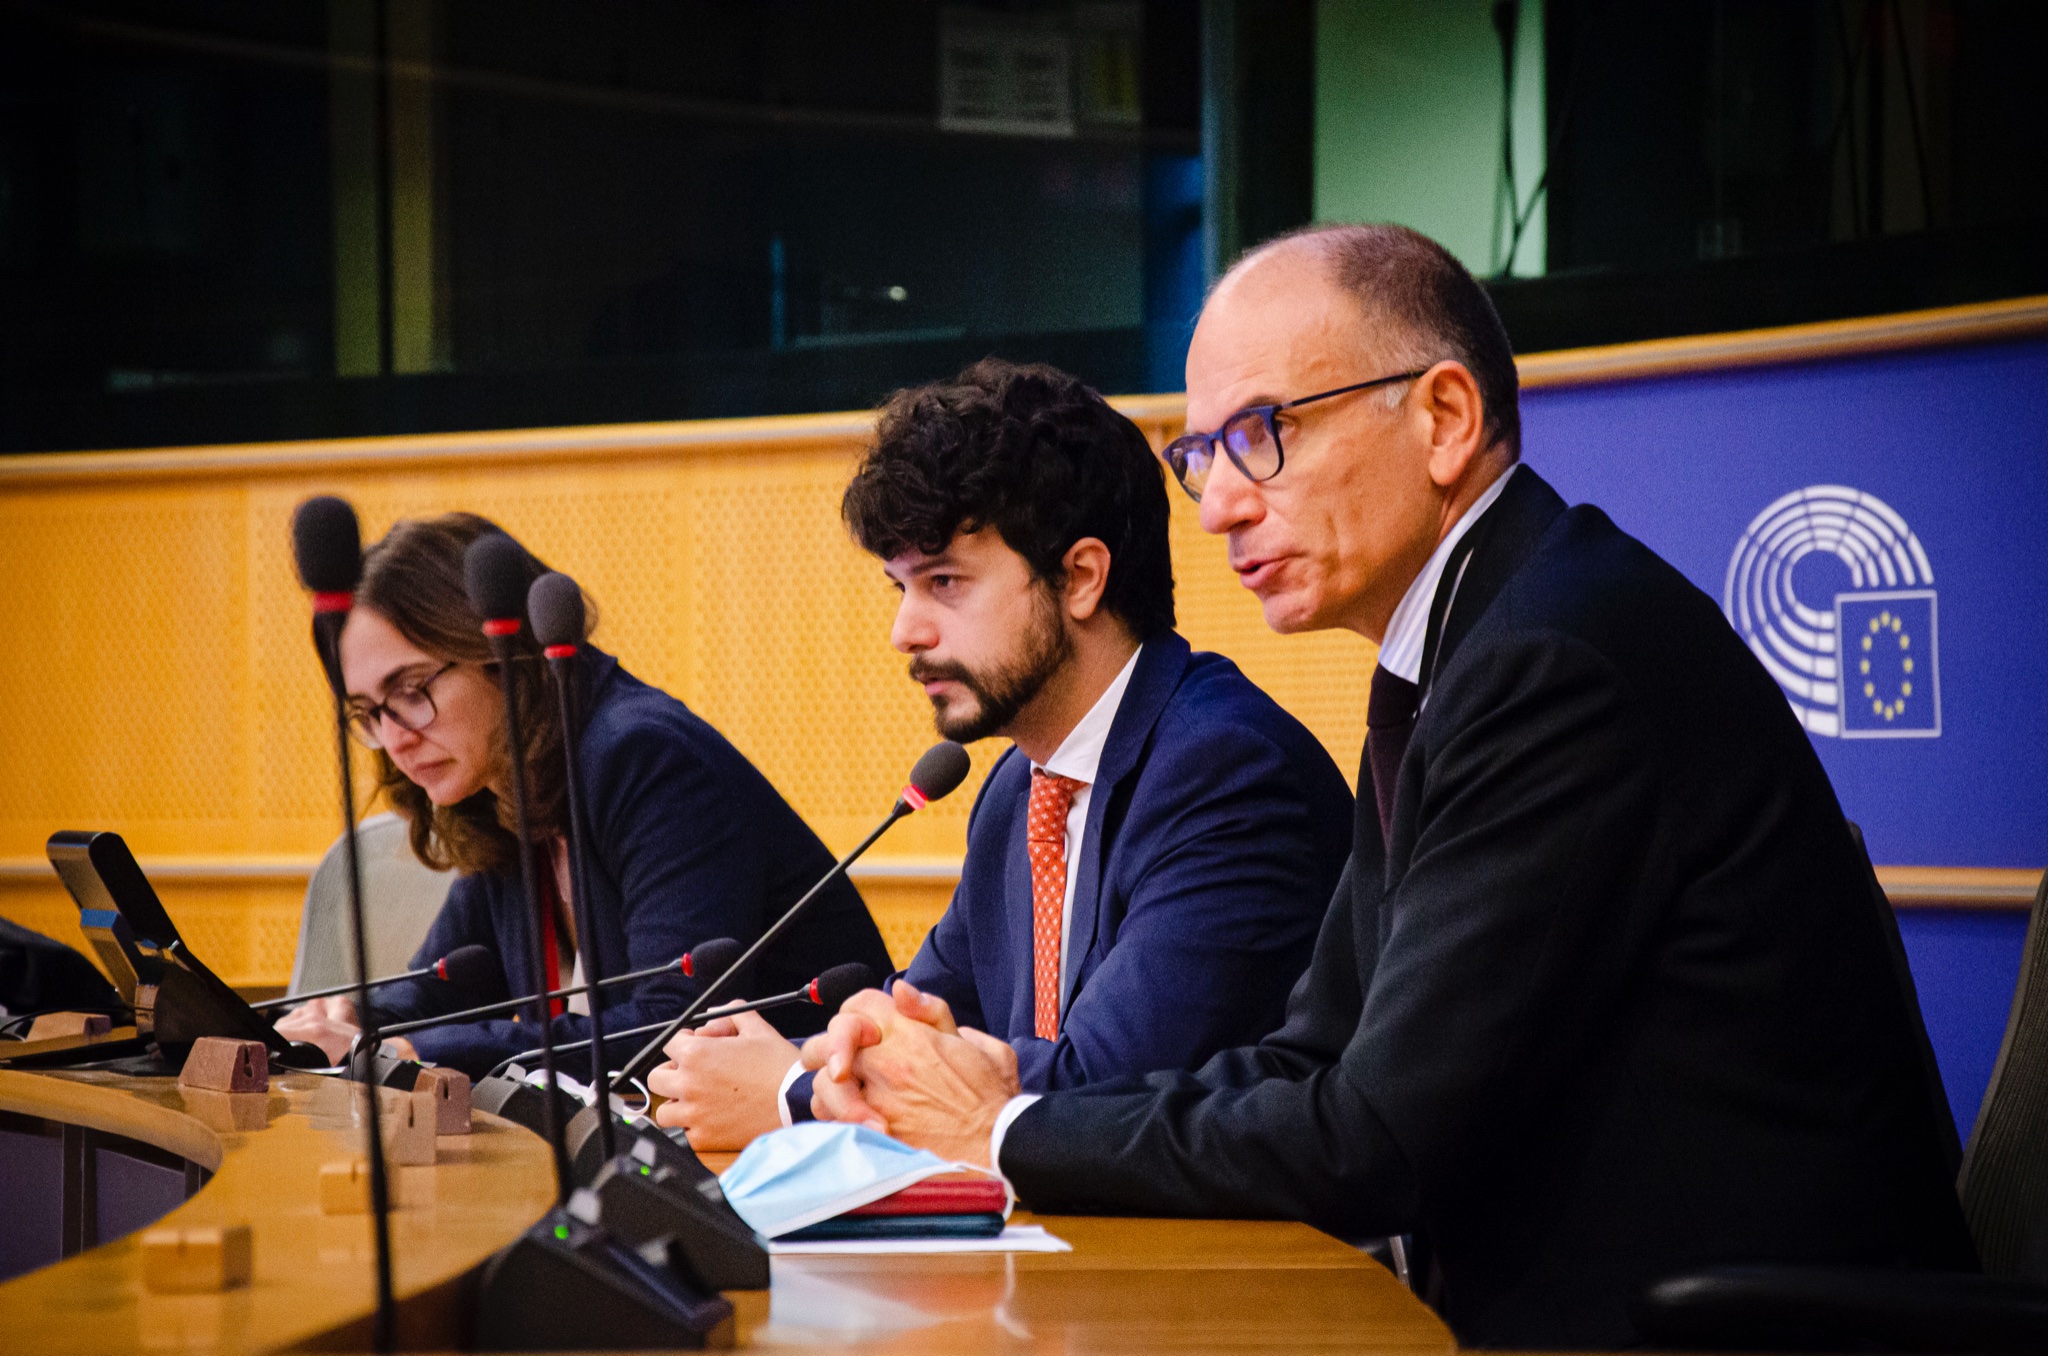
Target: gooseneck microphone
(705,961)
(554,607)
(937,774)
(327,546)
(496,570)
(466,969)
(827,991)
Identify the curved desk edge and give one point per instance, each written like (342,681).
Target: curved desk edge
(313,1282)
(113,1111)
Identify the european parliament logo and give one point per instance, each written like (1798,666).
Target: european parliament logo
(1833,594)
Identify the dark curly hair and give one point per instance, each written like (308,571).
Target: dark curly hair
(1033,453)
(413,579)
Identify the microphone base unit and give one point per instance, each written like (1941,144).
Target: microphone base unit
(570,1284)
(642,1200)
(657,1187)
(524,1104)
(586,1152)
(389,1071)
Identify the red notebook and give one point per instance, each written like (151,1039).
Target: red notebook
(957,1193)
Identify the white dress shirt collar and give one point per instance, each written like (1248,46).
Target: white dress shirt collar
(1080,753)
(1401,651)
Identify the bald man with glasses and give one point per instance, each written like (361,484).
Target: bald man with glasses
(1603,994)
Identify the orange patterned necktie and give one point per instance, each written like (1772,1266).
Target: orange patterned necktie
(1046,835)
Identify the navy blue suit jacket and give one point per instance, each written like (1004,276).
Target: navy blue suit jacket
(1217,828)
(688,841)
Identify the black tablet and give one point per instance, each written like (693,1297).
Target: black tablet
(140,940)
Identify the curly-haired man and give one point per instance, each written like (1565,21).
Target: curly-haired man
(1148,863)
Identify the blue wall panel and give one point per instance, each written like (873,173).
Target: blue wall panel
(1965,965)
(1954,443)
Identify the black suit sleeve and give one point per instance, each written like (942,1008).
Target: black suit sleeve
(1427,1017)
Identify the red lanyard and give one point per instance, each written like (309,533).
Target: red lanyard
(551,902)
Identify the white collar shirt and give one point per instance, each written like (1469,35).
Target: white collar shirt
(1401,651)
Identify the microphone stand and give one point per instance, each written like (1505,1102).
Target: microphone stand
(513,1004)
(650,1053)
(327,624)
(433,971)
(807,994)
(562,667)
(501,633)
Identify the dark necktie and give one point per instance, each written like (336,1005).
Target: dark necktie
(1389,720)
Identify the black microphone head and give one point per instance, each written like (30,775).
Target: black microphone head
(941,770)
(706,961)
(327,545)
(554,605)
(471,969)
(840,983)
(496,570)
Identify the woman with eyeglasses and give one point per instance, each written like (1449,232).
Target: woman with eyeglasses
(686,839)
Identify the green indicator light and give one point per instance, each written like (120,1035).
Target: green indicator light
(646,1171)
(562,1232)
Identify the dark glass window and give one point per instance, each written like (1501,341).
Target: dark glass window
(1729,164)
(241,220)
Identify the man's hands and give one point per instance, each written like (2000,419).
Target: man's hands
(722,1081)
(897,1062)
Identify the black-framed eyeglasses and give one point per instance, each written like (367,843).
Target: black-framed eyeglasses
(1250,438)
(410,707)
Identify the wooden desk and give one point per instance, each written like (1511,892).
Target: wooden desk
(1129,1285)
(313,1271)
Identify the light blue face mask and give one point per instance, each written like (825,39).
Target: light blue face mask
(804,1173)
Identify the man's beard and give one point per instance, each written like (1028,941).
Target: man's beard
(1006,689)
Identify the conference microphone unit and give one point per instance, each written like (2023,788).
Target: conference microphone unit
(827,991)
(554,608)
(658,1189)
(497,572)
(705,961)
(466,968)
(327,548)
(568,1281)
(936,775)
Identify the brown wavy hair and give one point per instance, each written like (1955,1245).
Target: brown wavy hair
(413,578)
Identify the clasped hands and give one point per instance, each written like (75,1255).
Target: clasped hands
(898,1062)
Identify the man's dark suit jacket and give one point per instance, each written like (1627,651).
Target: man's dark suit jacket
(1216,828)
(1612,1000)
(687,841)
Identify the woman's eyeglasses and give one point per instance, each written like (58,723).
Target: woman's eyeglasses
(410,707)
(1250,438)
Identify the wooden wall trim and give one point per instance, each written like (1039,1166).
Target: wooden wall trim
(1959,887)
(1982,322)
(615,443)
(1909,887)
(1159,415)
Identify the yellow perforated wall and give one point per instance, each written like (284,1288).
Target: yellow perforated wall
(160,682)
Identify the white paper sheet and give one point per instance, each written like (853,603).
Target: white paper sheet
(1013,1238)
